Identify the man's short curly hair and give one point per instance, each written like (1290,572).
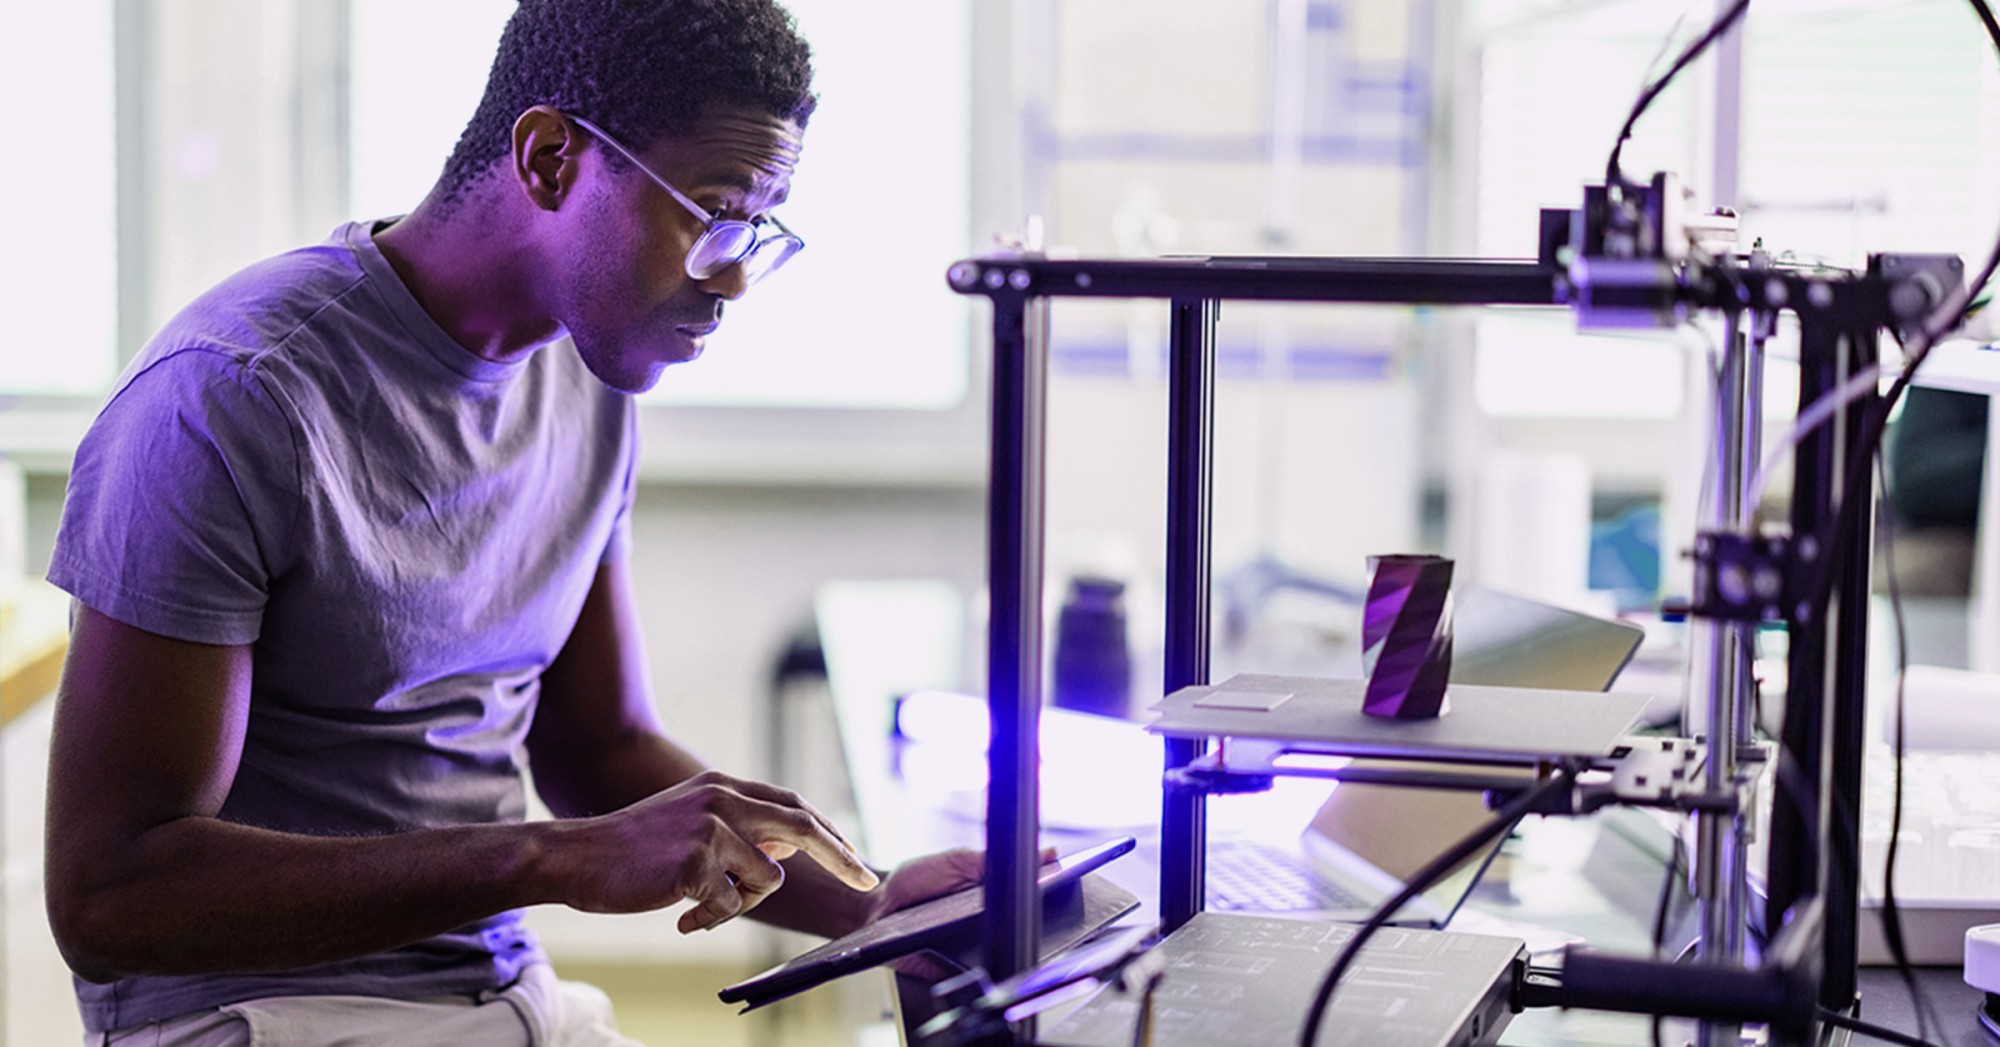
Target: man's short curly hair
(640,69)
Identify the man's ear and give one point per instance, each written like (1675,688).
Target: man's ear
(546,147)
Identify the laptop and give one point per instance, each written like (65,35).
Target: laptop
(1365,842)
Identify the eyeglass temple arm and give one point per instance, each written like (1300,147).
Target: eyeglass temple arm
(620,149)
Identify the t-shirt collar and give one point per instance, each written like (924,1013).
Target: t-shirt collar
(360,238)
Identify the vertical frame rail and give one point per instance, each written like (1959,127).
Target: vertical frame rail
(1721,846)
(1190,504)
(1817,851)
(1848,722)
(1796,869)
(1014,524)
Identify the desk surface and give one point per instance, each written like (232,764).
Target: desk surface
(1560,879)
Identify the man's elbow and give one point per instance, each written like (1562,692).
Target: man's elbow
(90,938)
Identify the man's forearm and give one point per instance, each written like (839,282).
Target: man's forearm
(196,894)
(144,877)
(200,895)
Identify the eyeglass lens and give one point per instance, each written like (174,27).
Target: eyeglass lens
(719,248)
(730,243)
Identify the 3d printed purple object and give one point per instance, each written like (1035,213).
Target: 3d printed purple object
(1406,636)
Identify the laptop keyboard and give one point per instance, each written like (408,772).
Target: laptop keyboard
(1251,876)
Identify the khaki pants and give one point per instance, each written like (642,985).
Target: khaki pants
(538,1010)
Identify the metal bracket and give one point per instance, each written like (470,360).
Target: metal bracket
(1917,284)
(1657,772)
(1746,578)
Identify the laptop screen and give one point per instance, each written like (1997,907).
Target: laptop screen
(1501,640)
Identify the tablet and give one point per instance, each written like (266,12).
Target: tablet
(943,922)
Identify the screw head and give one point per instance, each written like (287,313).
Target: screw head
(1732,583)
(1908,299)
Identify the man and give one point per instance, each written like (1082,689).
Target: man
(348,545)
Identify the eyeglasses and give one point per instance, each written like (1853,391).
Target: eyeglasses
(725,241)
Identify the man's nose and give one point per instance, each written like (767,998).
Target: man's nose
(728,284)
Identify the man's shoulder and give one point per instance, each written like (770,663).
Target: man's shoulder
(258,308)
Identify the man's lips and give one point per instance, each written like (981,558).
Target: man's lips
(699,330)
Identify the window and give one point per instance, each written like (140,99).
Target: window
(862,318)
(60,271)
(243,143)
(1866,127)
(415,73)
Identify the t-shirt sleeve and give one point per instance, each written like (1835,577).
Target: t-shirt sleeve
(181,502)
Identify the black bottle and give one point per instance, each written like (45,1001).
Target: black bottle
(1093,662)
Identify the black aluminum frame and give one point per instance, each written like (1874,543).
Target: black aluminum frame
(1838,317)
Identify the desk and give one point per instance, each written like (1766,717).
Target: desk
(883,639)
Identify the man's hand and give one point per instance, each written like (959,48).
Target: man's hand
(932,875)
(927,877)
(919,880)
(713,839)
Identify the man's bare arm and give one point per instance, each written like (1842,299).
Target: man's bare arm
(597,745)
(143,878)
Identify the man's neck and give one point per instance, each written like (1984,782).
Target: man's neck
(469,272)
